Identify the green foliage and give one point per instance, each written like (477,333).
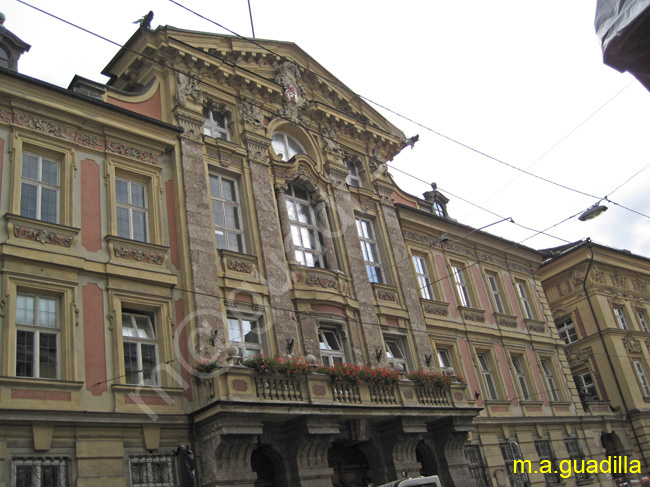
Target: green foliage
(433,379)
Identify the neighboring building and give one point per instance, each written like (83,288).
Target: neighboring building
(271,226)
(600,300)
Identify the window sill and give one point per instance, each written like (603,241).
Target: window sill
(536,326)
(142,252)
(41,383)
(508,321)
(236,265)
(20,227)
(432,307)
(472,314)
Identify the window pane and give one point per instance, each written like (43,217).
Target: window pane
(304,214)
(139,226)
(128,328)
(24,353)
(131,363)
(49,205)
(236,242)
(47,356)
(28,202)
(50,173)
(30,166)
(145,328)
(251,333)
(148,363)
(217,213)
(123,223)
(294,147)
(47,312)
(309,260)
(221,239)
(25,310)
(234,332)
(291,211)
(232,218)
(228,189)
(25,475)
(51,476)
(215,187)
(137,195)
(278,146)
(122,191)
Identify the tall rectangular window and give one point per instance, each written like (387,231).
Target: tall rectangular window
(353,179)
(586,387)
(521,378)
(444,358)
(226,214)
(396,352)
(461,286)
(331,345)
(369,249)
(550,380)
(495,290)
(423,279)
(643,320)
(510,452)
(246,334)
(140,349)
(525,301)
(304,229)
(546,453)
(567,331)
(39,188)
(620,318)
(40,472)
(37,337)
(216,124)
(643,381)
(131,202)
(576,454)
(488,378)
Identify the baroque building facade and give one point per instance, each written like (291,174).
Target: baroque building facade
(599,298)
(219,199)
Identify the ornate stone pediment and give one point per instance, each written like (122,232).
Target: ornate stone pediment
(631,344)
(577,357)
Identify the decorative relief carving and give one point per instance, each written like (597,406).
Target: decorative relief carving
(436,310)
(386,295)
(225,160)
(578,276)
(239,266)
(493,259)
(322,281)
(537,327)
(138,255)
(5,115)
(385,193)
(459,249)
(251,113)
(631,344)
(521,268)
(425,239)
(188,86)
(619,279)
(597,275)
(133,152)
(640,285)
(479,317)
(110,317)
(331,145)
(564,288)
(507,322)
(192,124)
(647,343)
(294,97)
(3,304)
(336,175)
(75,310)
(58,131)
(257,148)
(577,357)
(42,236)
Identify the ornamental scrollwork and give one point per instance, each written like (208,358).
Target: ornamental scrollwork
(294,97)
(537,327)
(576,356)
(436,310)
(331,145)
(138,255)
(188,86)
(251,113)
(619,279)
(322,281)
(478,317)
(631,344)
(42,236)
(507,323)
(239,266)
(386,295)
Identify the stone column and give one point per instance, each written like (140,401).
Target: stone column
(406,279)
(447,438)
(371,332)
(200,232)
(276,270)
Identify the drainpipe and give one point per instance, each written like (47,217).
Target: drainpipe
(609,359)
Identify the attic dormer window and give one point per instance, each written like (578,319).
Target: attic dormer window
(4,58)
(438,209)
(438,201)
(286,146)
(216,123)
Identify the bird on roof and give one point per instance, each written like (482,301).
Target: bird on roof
(145,22)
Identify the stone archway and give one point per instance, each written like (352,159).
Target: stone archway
(349,466)
(267,465)
(613,448)
(426,458)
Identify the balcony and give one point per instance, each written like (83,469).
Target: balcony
(242,384)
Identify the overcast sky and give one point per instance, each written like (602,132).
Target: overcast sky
(521,82)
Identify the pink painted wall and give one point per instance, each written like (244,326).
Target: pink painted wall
(580,324)
(595,375)
(482,294)
(150,108)
(505,373)
(398,199)
(537,376)
(91,214)
(94,338)
(182,345)
(472,379)
(514,300)
(171,223)
(445,281)
(328,308)
(561,378)
(40,395)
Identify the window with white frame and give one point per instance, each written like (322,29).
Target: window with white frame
(370,251)
(40,472)
(216,123)
(245,334)
(576,454)
(331,345)
(525,301)
(423,279)
(140,348)
(40,188)
(461,285)
(488,378)
(550,379)
(643,381)
(444,358)
(37,336)
(353,179)
(131,209)
(226,214)
(495,291)
(586,387)
(396,352)
(521,378)
(438,209)
(304,227)
(620,318)
(643,320)
(545,453)
(286,146)
(152,471)
(567,331)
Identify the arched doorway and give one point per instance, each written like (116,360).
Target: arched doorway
(613,448)
(424,456)
(267,464)
(349,466)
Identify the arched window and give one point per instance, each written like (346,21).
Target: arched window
(286,146)
(4,58)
